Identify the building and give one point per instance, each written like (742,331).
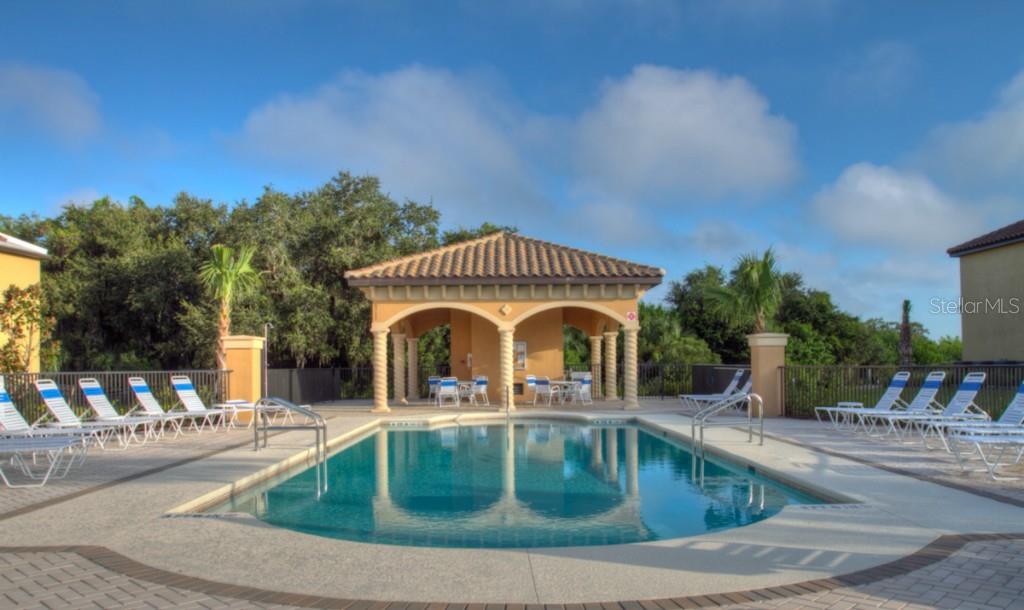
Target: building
(20,264)
(506,298)
(992,294)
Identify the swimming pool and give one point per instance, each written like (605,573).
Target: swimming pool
(517,485)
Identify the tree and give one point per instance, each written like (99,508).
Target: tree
(754,293)
(24,325)
(697,316)
(226,276)
(662,340)
(906,343)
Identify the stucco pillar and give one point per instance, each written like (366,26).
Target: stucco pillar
(380,371)
(632,462)
(629,363)
(398,362)
(507,355)
(767,355)
(595,365)
(412,391)
(245,381)
(611,392)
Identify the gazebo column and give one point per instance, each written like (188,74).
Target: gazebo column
(398,362)
(629,357)
(595,364)
(412,392)
(611,392)
(507,355)
(380,370)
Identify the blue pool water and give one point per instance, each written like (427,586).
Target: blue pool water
(527,485)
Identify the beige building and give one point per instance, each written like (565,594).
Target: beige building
(506,298)
(20,266)
(992,294)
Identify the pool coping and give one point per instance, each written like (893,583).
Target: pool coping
(221,495)
(937,550)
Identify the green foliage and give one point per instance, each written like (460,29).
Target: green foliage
(576,347)
(662,340)
(696,313)
(454,236)
(753,293)
(224,276)
(25,328)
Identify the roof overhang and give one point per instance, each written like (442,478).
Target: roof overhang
(953,253)
(515,281)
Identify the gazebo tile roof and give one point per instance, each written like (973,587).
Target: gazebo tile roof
(507,258)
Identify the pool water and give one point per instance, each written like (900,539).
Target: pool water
(522,485)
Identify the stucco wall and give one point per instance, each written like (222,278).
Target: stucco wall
(544,345)
(989,334)
(21,272)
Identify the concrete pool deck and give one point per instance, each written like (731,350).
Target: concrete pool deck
(895,515)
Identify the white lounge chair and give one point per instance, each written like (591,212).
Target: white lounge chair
(190,399)
(15,426)
(961,407)
(106,413)
(61,452)
(922,404)
(66,418)
(990,445)
(696,401)
(843,414)
(151,407)
(1010,421)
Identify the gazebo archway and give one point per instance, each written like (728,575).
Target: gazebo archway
(526,289)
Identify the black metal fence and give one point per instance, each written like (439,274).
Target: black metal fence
(806,387)
(210,384)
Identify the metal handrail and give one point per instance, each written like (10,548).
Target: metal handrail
(700,421)
(262,422)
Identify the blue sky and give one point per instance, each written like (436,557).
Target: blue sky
(860,139)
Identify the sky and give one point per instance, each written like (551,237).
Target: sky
(858,139)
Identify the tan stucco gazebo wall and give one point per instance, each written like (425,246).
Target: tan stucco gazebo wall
(504,313)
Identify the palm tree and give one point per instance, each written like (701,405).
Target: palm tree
(906,348)
(754,293)
(227,276)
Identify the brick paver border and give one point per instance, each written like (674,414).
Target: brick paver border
(939,549)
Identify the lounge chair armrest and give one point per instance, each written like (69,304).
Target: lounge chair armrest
(849,404)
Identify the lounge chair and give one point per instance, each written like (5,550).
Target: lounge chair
(843,414)
(961,406)
(61,452)
(65,418)
(151,407)
(106,413)
(190,399)
(923,404)
(696,401)
(1011,420)
(997,444)
(15,426)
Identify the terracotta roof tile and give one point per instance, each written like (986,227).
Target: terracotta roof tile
(505,258)
(1005,235)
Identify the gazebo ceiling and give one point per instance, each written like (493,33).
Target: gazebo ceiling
(505,258)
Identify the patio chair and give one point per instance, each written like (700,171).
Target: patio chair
(448,389)
(923,403)
(151,407)
(105,411)
(66,418)
(842,413)
(696,401)
(479,391)
(433,383)
(189,398)
(584,390)
(531,386)
(543,390)
(61,452)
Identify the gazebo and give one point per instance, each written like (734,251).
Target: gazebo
(506,297)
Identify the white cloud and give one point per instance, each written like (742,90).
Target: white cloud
(987,151)
(878,205)
(56,101)
(429,135)
(882,71)
(719,237)
(665,133)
